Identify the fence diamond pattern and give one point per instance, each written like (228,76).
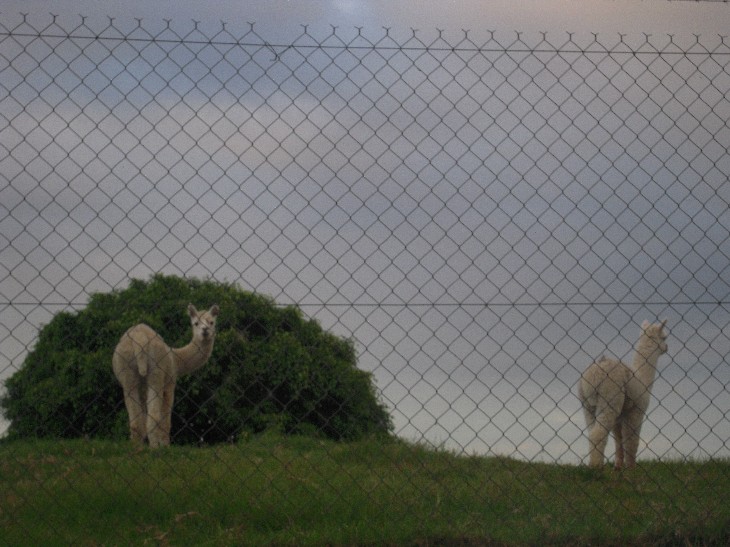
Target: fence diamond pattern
(483,214)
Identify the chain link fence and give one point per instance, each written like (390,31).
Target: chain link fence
(484,214)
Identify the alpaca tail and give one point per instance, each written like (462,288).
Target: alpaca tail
(140,357)
(140,347)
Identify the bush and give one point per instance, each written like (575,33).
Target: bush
(270,368)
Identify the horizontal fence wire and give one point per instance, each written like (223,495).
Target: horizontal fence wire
(482,214)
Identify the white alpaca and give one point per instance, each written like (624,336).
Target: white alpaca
(615,397)
(148,370)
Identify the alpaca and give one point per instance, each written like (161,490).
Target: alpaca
(615,397)
(148,369)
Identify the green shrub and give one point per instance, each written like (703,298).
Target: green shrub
(270,368)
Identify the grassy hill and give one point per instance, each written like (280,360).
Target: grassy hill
(270,489)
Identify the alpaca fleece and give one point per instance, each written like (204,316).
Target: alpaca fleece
(148,369)
(615,397)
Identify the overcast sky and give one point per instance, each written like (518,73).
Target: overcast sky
(601,179)
(626,16)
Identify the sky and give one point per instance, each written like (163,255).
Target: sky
(599,180)
(626,16)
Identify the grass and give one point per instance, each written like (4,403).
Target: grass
(303,491)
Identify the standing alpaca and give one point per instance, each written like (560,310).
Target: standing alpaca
(148,369)
(615,396)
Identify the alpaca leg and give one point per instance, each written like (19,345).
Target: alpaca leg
(168,397)
(595,454)
(136,410)
(597,439)
(598,435)
(155,415)
(590,415)
(618,438)
(631,433)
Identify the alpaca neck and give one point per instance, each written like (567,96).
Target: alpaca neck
(193,356)
(645,360)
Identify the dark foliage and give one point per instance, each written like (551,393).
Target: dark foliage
(270,368)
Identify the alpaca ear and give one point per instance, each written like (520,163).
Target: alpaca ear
(645,325)
(192,312)
(664,323)
(214,310)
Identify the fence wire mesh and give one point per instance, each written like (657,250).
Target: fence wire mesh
(484,215)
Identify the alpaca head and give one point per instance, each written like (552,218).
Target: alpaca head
(203,323)
(655,336)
